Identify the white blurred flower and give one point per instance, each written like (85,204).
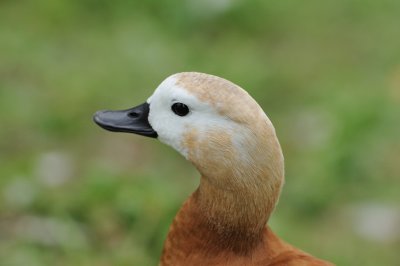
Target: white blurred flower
(19,192)
(210,8)
(376,222)
(50,231)
(312,128)
(54,168)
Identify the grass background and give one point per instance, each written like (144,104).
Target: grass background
(326,72)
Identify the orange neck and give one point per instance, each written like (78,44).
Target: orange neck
(213,222)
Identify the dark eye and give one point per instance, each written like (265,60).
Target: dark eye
(180,109)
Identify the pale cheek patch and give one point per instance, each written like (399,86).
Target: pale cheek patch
(168,125)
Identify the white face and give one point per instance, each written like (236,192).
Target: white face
(172,127)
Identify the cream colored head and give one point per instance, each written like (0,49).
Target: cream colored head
(226,134)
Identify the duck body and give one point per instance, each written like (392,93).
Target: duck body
(225,134)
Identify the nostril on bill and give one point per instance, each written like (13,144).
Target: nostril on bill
(133,114)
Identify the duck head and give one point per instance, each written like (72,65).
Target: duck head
(220,129)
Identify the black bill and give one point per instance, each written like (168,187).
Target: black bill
(134,120)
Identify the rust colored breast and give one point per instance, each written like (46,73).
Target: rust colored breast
(191,241)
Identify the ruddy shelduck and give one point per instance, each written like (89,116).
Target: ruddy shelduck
(225,134)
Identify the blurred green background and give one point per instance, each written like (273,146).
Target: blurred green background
(326,72)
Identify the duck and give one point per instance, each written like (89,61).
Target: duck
(219,128)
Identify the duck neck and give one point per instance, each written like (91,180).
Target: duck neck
(195,235)
(239,214)
(217,221)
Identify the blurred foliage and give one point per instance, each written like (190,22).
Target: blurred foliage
(326,72)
